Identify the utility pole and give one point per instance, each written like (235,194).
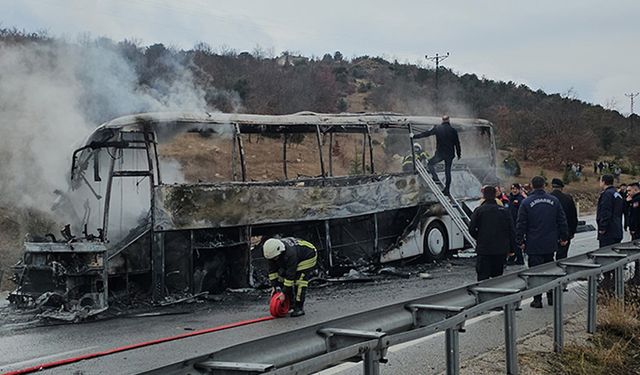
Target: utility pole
(632,96)
(437,58)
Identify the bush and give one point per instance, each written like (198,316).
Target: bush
(569,176)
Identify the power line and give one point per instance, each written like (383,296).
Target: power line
(632,96)
(437,58)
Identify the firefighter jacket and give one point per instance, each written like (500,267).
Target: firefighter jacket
(299,255)
(447,140)
(541,223)
(570,210)
(492,227)
(407,161)
(609,215)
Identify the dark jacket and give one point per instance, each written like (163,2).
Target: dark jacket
(447,140)
(515,201)
(634,215)
(541,223)
(492,227)
(291,261)
(609,215)
(570,210)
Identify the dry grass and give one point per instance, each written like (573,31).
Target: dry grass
(613,350)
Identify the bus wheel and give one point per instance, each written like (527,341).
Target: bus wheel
(435,244)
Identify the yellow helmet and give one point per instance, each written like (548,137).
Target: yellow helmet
(272,248)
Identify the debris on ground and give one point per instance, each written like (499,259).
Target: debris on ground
(240,290)
(425,275)
(392,271)
(353,276)
(172,300)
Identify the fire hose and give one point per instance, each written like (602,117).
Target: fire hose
(120,349)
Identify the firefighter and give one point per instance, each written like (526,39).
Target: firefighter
(420,155)
(447,146)
(291,262)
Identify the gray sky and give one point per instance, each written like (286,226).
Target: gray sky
(587,46)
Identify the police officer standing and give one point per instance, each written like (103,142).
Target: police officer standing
(492,227)
(609,214)
(541,226)
(570,211)
(633,193)
(447,146)
(633,199)
(515,200)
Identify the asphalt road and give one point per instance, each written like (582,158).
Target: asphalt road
(23,347)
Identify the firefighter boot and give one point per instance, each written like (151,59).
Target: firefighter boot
(298,309)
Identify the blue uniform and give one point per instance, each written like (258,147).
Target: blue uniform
(609,216)
(541,223)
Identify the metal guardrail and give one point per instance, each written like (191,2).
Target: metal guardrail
(367,336)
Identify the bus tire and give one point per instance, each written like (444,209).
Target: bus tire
(435,244)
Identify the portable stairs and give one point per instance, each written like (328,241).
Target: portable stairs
(450,204)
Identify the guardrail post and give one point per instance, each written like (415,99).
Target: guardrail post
(591,304)
(619,279)
(452,344)
(558,331)
(371,363)
(510,336)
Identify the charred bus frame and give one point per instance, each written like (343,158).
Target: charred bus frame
(383,216)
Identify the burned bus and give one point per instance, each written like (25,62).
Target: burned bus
(171,203)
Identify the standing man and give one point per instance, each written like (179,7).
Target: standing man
(633,216)
(492,227)
(541,226)
(622,189)
(570,211)
(291,262)
(447,145)
(633,197)
(516,197)
(609,214)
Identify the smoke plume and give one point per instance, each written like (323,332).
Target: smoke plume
(53,93)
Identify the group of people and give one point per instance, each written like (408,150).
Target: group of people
(541,225)
(575,168)
(605,166)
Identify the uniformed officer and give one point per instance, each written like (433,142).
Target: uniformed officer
(541,226)
(634,210)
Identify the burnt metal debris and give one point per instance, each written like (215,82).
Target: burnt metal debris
(196,237)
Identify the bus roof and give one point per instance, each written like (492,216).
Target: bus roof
(251,123)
